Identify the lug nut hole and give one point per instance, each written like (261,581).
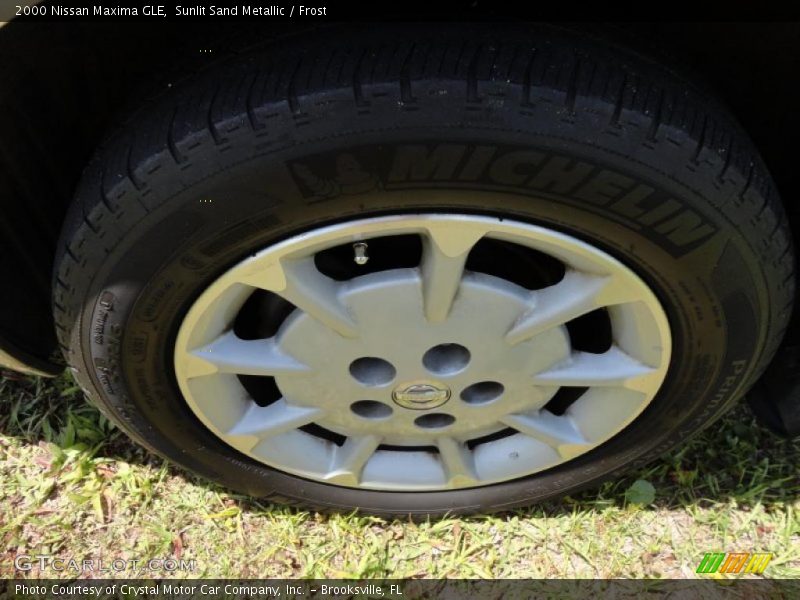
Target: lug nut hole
(434,421)
(372,371)
(371,409)
(446,359)
(482,392)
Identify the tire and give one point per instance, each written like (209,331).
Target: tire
(530,125)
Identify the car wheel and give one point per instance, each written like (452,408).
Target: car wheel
(420,273)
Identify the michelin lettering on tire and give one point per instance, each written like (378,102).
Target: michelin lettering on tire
(502,168)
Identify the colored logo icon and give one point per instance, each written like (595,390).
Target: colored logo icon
(734,562)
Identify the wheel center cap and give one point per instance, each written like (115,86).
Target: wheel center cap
(421,395)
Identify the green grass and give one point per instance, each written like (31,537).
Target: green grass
(72,486)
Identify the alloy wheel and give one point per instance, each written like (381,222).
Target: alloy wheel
(418,364)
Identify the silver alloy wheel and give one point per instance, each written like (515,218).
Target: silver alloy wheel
(433,377)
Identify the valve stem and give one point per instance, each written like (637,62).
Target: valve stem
(360,250)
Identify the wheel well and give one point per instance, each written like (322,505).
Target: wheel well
(64,86)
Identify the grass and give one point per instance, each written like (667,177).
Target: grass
(72,486)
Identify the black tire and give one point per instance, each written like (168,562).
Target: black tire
(610,147)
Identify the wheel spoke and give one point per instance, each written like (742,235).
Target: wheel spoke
(231,354)
(557,432)
(575,295)
(299,281)
(458,462)
(349,459)
(266,421)
(445,250)
(613,368)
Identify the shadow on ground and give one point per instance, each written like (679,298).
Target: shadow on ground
(736,459)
